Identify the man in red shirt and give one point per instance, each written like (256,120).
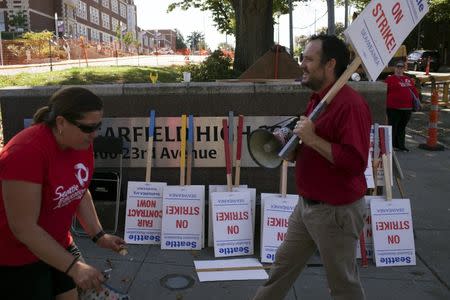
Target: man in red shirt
(330,166)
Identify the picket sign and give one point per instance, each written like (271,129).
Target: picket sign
(367,230)
(232,224)
(143,214)
(252,193)
(212,189)
(392,230)
(380,30)
(275,212)
(377,167)
(182,223)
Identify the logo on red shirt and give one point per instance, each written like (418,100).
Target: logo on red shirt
(74,192)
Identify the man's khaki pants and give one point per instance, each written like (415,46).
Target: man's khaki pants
(334,230)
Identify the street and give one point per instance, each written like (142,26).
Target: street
(141,60)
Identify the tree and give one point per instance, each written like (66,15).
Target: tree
(180,44)
(251,21)
(128,39)
(330,9)
(18,20)
(195,39)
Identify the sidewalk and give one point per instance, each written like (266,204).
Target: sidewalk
(141,273)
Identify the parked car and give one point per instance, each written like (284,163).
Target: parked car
(417,60)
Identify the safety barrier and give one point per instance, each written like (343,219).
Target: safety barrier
(432,140)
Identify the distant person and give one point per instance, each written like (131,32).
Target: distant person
(45,171)
(330,165)
(399,104)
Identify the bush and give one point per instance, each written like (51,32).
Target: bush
(216,66)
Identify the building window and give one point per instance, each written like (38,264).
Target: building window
(94,15)
(115,6)
(105,20)
(81,30)
(114,24)
(123,10)
(2,22)
(82,11)
(105,3)
(95,35)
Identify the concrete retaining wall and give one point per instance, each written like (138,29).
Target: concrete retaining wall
(200,99)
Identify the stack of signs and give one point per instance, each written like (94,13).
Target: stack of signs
(183,215)
(232,224)
(212,189)
(367,230)
(392,232)
(144,212)
(375,156)
(276,211)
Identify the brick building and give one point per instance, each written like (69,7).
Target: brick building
(158,39)
(96,20)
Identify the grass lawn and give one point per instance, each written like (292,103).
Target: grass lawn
(92,75)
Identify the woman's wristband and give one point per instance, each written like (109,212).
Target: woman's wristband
(72,264)
(96,237)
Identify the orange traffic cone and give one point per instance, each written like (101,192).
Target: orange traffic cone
(427,68)
(432,143)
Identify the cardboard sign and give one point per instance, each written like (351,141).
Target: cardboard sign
(230,269)
(212,189)
(392,229)
(144,212)
(252,193)
(380,168)
(380,30)
(368,173)
(276,213)
(368,236)
(232,224)
(182,224)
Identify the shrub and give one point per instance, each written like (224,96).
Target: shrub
(216,66)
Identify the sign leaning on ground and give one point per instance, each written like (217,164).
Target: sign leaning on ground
(392,230)
(380,30)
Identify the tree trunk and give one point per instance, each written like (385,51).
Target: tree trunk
(254,31)
(331,22)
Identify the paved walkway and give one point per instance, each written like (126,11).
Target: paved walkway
(142,272)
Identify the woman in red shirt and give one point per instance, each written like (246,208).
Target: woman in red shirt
(399,104)
(45,171)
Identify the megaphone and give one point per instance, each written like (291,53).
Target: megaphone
(265,142)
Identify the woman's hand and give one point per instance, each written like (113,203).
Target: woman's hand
(112,242)
(86,276)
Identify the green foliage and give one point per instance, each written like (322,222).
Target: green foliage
(216,66)
(37,42)
(18,20)
(195,40)
(128,39)
(339,30)
(180,40)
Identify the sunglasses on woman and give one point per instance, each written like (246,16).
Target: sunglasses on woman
(87,128)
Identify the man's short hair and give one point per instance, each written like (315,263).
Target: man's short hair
(333,47)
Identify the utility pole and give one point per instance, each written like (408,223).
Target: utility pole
(291,29)
(1,48)
(346,14)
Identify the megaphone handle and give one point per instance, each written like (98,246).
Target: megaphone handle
(284,169)
(289,147)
